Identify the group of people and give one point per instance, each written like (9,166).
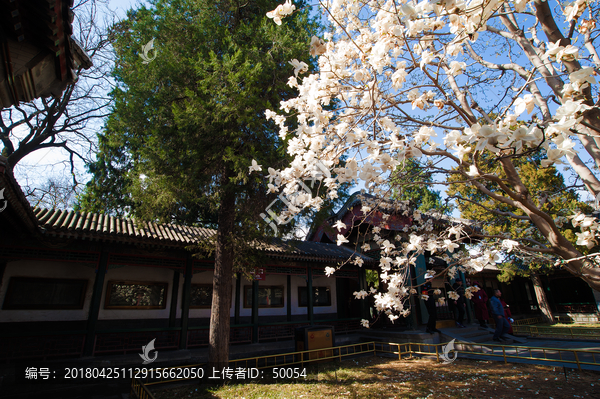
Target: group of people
(499,310)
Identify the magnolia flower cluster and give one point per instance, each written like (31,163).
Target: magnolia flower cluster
(400,251)
(589,227)
(281,11)
(399,73)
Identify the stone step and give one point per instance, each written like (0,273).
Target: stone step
(505,342)
(445,324)
(462,331)
(476,333)
(481,338)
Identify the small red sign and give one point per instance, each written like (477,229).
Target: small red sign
(259,273)
(312,336)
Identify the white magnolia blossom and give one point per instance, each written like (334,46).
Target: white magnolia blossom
(470,290)
(453,295)
(339,225)
(360,294)
(299,67)
(329,270)
(317,46)
(509,245)
(281,11)
(255,166)
(341,239)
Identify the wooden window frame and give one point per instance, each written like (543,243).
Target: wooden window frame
(11,286)
(202,306)
(314,289)
(249,287)
(109,285)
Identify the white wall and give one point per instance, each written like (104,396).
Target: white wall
(32,268)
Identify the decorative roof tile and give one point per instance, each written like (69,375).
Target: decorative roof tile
(100,227)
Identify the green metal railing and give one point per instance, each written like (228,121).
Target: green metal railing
(573,332)
(532,320)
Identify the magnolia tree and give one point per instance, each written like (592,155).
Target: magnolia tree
(469,87)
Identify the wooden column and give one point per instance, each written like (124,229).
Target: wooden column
(95,303)
(186,299)
(597,299)
(309,295)
(255,311)
(238,286)
(420,270)
(289,298)
(174,298)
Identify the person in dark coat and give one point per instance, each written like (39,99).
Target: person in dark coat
(508,315)
(430,305)
(460,304)
(480,299)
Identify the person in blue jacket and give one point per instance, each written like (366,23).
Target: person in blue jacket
(497,310)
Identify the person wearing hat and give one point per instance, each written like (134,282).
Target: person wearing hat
(430,304)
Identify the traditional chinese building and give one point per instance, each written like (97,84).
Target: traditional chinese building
(568,296)
(38,56)
(80,284)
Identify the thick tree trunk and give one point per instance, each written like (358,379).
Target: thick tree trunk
(218,350)
(541,299)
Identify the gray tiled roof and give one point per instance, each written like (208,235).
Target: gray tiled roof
(95,226)
(100,227)
(310,250)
